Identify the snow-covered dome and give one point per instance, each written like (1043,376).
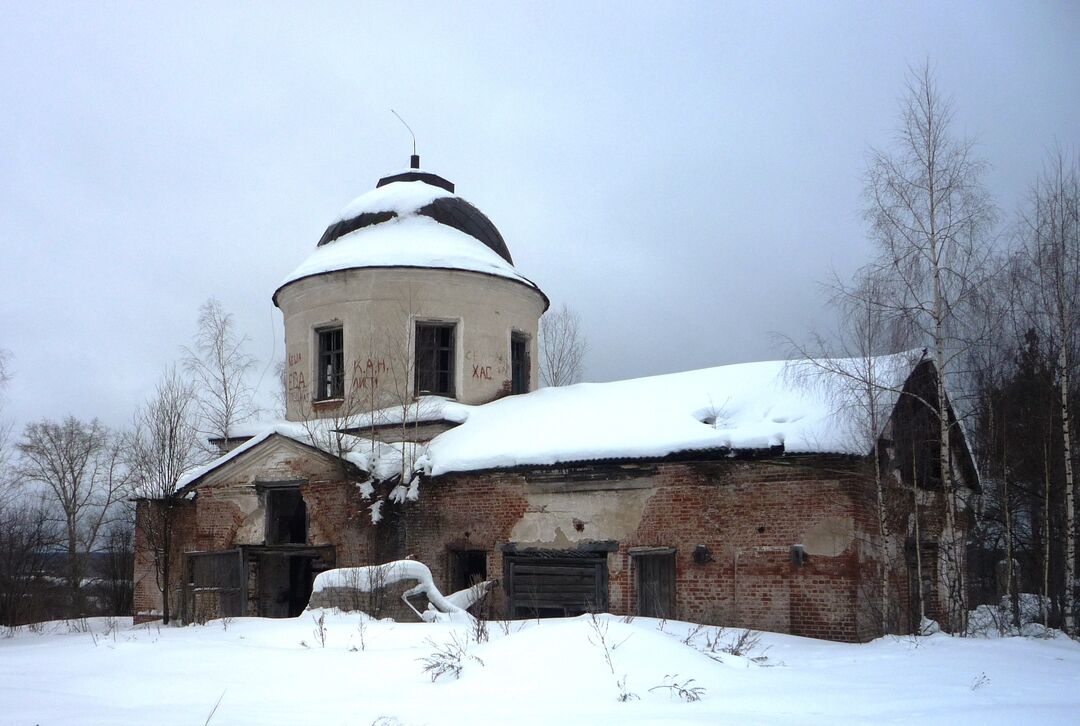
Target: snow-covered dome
(410,219)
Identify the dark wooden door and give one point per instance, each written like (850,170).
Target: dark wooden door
(655,584)
(215,585)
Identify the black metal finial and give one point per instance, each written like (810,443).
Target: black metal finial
(414,160)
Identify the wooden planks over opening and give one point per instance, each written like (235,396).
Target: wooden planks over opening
(549,586)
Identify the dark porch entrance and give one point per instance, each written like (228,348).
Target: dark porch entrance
(271,581)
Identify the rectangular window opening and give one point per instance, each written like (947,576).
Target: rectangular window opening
(435,359)
(286,517)
(468,567)
(519,363)
(330,375)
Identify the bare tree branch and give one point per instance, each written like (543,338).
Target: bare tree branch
(220,367)
(163,445)
(562,347)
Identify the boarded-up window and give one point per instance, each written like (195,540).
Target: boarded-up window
(546,586)
(655,580)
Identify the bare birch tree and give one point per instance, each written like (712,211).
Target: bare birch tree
(929,214)
(163,445)
(1050,229)
(562,347)
(80,467)
(849,366)
(220,366)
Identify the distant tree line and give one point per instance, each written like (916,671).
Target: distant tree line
(69,488)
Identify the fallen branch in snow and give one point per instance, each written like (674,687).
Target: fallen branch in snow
(684,690)
(375,577)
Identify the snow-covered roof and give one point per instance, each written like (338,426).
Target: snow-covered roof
(402,198)
(405,236)
(313,433)
(734,407)
(797,405)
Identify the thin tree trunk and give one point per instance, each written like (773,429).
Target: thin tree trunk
(918,542)
(74,569)
(1046,537)
(1010,575)
(1070,525)
(953,559)
(166,563)
(883,532)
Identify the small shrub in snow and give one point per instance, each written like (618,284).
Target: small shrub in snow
(599,638)
(685,690)
(694,632)
(625,694)
(78,625)
(361,629)
(320,629)
(480,630)
(448,658)
(743,643)
(979,681)
(713,643)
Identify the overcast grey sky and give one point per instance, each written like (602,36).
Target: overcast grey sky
(683,174)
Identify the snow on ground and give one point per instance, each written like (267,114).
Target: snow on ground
(553,671)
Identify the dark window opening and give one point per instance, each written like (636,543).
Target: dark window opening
(330,375)
(468,567)
(519,363)
(435,359)
(286,517)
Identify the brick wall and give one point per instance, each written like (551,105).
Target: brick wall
(747,514)
(147,602)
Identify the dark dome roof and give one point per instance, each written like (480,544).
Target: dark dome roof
(453,211)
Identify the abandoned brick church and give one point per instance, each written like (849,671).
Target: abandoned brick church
(742,495)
